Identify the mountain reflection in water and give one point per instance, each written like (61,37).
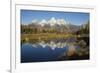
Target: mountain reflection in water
(54,50)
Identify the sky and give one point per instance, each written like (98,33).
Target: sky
(75,18)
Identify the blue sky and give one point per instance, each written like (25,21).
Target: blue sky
(76,18)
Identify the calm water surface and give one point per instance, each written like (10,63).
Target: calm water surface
(46,51)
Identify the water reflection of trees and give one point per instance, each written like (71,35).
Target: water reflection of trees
(75,49)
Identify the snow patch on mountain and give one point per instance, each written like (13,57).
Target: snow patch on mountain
(52,22)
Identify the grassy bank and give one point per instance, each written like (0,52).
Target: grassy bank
(32,38)
(43,36)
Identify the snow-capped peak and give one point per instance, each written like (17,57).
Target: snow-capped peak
(43,22)
(61,22)
(52,21)
(34,21)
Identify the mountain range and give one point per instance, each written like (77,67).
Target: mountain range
(52,22)
(57,24)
